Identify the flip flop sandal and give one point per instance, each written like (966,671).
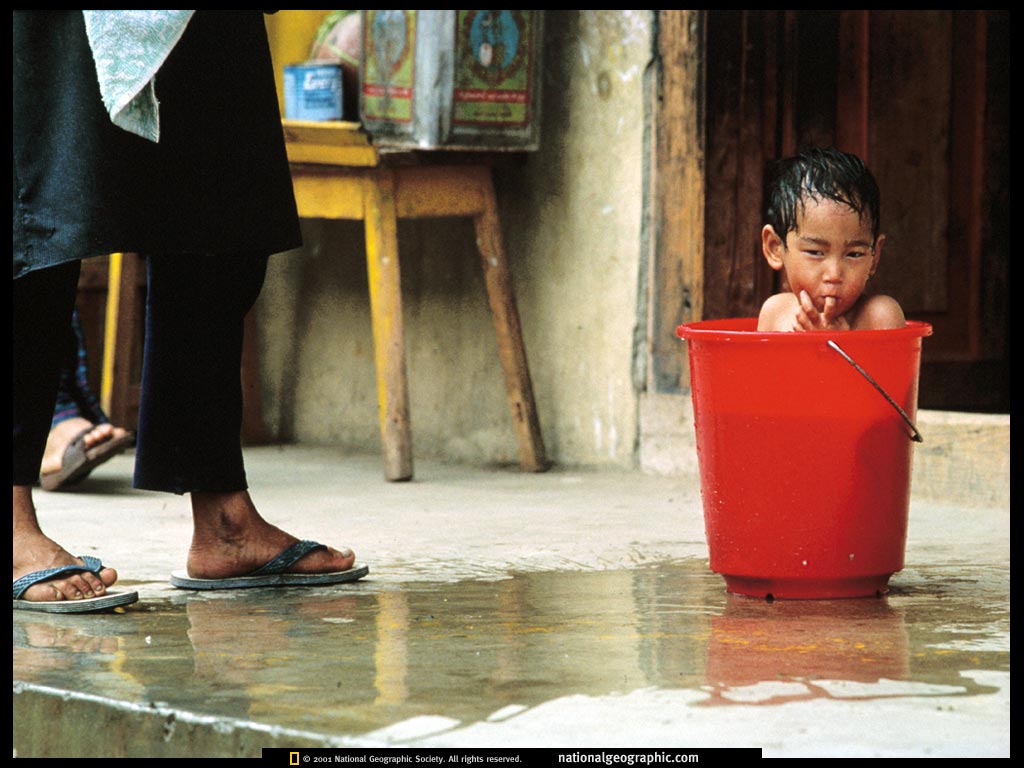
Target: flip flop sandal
(85,605)
(78,461)
(273,573)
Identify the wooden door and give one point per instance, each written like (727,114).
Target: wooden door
(922,96)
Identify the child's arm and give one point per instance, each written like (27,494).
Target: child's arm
(787,312)
(777,313)
(878,312)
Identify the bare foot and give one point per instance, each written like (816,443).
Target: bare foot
(65,432)
(230,538)
(34,551)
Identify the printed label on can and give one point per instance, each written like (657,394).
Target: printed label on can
(388,76)
(494,60)
(312,91)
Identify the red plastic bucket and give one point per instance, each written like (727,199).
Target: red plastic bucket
(804,444)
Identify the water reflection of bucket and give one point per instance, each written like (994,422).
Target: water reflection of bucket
(804,459)
(800,642)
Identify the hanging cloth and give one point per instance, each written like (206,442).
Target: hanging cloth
(129,47)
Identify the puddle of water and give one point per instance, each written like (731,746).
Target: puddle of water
(362,659)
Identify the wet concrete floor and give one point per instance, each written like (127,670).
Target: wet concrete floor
(619,636)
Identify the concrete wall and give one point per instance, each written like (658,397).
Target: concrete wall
(573,219)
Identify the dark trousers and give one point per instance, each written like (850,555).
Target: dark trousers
(190,413)
(42,302)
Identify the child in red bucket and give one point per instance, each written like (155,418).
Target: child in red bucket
(822,230)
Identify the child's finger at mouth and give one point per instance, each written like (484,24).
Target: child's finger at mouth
(830,308)
(808,306)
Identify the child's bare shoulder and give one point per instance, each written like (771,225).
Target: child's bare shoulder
(877,312)
(777,311)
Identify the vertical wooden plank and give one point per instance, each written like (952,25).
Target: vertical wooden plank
(911,108)
(994,294)
(741,131)
(677,274)
(967,174)
(812,45)
(786,141)
(772,85)
(756,279)
(505,314)
(91,304)
(388,334)
(726,62)
(852,86)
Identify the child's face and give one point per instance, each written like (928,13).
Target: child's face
(831,253)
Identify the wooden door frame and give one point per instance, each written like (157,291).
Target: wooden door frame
(676,190)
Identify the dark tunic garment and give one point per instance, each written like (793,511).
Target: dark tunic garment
(217,182)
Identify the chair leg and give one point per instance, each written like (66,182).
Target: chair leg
(505,313)
(386,310)
(118,396)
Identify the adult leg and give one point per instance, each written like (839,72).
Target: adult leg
(75,397)
(78,416)
(191,406)
(190,416)
(42,305)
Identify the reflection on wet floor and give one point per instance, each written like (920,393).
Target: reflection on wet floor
(355,660)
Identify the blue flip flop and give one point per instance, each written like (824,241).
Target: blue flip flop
(273,574)
(85,605)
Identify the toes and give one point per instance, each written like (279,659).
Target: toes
(52,591)
(99,434)
(328,560)
(76,587)
(97,585)
(79,586)
(344,559)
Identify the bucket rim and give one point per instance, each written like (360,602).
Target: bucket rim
(746,328)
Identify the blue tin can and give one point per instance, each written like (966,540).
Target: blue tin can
(312,91)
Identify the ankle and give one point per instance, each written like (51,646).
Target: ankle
(223,516)
(24,512)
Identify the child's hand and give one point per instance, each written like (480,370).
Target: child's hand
(809,318)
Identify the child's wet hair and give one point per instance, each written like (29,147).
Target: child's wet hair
(818,173)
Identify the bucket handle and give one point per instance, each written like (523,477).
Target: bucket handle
(914,434)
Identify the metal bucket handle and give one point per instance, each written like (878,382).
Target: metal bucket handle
(914,434)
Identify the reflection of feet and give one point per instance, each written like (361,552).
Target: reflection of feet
(73,639)
(43,649)
(232,638)
(75,447)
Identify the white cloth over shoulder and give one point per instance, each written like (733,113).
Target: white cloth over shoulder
(129,47)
